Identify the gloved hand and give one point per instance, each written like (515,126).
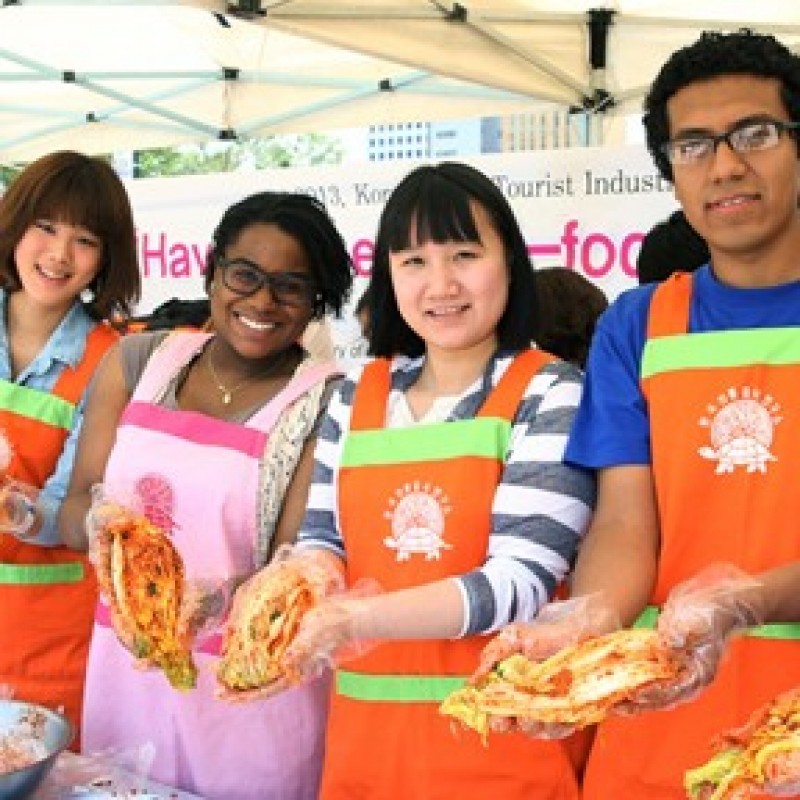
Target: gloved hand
(103,510)
(558,625)
(786,788)
(265,617)
(331,634)
(206,605)
(696,622)
(18,509)
(321,569)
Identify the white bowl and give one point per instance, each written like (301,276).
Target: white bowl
(55,733)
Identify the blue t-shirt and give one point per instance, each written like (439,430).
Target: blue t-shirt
(612,426)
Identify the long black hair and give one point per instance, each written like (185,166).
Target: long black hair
(434,203)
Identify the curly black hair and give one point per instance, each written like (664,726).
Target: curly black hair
(669,246)
(714,55)
(305,219)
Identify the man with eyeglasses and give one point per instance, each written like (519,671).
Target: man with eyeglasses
(691,417)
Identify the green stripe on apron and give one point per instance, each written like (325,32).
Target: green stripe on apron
(485,437)
(396,688)
(35,404)
(721,350)
(41,574)
(775,630)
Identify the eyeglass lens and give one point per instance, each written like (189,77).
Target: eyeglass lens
(748,136)
(245,278)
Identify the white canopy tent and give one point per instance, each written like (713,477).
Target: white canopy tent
(111,75)
(105,77)
(588,53)
(595,55)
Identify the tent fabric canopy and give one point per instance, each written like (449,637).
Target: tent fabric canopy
(114,77)
(104,76)
(590,54)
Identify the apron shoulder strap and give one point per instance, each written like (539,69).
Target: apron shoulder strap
(73,380)
(669,306)
(166,361)
(372,390)
(303,380)
(505,398)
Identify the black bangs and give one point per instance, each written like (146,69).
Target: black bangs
(71,196)
(432,210)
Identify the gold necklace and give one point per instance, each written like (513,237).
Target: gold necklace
(228,393)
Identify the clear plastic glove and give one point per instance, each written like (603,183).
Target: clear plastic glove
(266,614)
(321,569)
(18,509)
(103,510)
(559,624)
(788,788)
(331,634)
(697,621)
(206,605)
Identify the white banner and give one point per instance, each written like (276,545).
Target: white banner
(586,209)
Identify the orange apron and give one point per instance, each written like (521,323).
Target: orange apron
(725,428)
(47,594)
(415,507)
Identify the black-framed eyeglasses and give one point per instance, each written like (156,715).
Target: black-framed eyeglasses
(747,136)
(287,288)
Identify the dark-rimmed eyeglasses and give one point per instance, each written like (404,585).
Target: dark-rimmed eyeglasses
(287,288)
(747,136)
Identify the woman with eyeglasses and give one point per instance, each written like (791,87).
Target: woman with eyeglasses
(211,435)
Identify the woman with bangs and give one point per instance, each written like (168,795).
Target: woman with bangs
(67,263)
(439,479)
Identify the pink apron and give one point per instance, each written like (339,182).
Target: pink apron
(202,474)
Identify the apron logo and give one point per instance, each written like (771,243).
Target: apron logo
(158,502)
(417,516)
(741,426)
(6,451)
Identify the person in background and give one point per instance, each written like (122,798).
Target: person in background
(317,340)
(439,475)
(689,418)
(671,245)
(569,306)
(363,313)
(172,314)
(211,435)
(67,262)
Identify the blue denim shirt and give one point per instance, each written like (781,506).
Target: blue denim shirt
(64,348)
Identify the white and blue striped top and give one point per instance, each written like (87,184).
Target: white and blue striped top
(541,507)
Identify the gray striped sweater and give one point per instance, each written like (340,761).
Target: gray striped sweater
(541,507)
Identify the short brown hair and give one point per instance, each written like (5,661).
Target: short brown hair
(78,190)
(569,307)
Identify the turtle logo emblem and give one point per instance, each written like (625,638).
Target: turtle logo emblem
(741,425)
(417,516)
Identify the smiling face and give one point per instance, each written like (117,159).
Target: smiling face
(256,326)
(453,294)
(744,206)
(55,261)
